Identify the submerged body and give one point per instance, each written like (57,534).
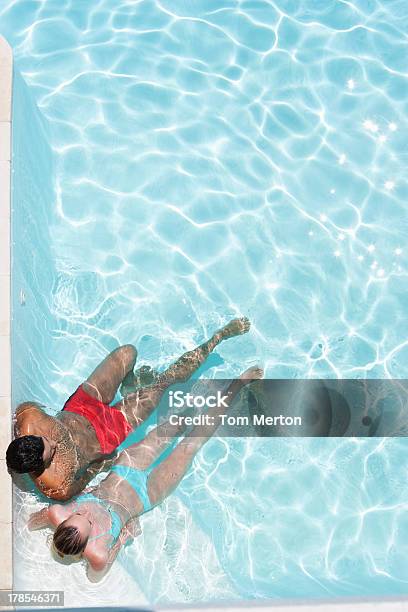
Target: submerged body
(98,523)
(75,444)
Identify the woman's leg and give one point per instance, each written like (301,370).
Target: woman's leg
(138,406)
(142,454)
(106,378)
(167,475)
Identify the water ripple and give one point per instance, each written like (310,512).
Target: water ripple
(219,158)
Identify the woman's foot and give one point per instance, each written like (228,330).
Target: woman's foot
(253,373)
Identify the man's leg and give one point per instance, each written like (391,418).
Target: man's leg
(138,406)
(192,360)
(106,378)
(142,377)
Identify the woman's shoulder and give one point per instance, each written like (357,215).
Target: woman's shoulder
(97,554)
(57,513)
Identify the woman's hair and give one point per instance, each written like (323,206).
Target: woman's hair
(68,540)
(25,454)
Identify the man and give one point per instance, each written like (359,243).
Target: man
(62,453)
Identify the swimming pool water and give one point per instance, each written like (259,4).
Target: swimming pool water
(217,159)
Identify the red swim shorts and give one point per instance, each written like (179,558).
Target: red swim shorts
(110,425)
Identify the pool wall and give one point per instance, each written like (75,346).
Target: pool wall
(389,605)
(33,271)
(5,345)
(27,325)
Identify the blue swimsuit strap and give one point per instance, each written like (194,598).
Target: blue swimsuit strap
(116,521)
(137,479)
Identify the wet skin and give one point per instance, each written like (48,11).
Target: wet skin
(75,453)
(93,520)
(72,451)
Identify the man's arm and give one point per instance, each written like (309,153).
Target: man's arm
(73,487)
(68,489)
(25,416)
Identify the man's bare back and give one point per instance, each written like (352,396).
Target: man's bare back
(74,448)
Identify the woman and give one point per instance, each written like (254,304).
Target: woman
(98,523)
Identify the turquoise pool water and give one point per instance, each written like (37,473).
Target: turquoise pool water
(225,158)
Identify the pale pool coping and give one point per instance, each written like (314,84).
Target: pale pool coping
(6,524)
(392,604)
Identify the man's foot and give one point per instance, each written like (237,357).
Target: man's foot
(236,327)
(253,373)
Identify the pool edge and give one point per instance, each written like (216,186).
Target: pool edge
(6,522)
(362,604)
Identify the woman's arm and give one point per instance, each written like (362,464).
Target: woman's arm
(40,519)
(99,566)
(131,530)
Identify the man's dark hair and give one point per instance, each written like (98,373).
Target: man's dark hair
(25,454)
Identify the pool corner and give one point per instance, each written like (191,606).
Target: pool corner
(6,70)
